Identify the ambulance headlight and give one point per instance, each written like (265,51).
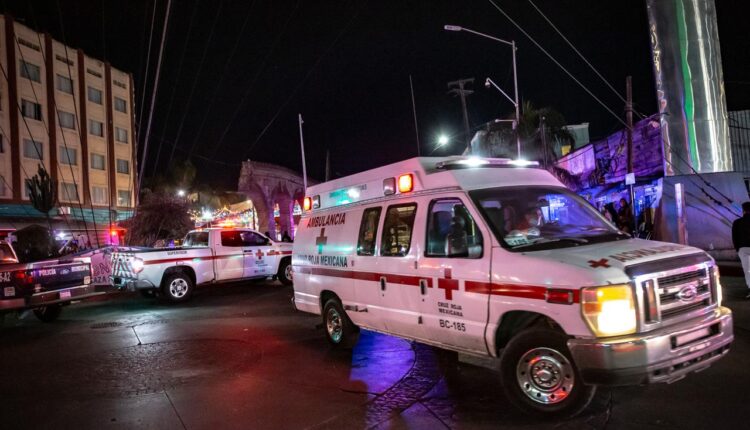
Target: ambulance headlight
(609,310)
(137,265)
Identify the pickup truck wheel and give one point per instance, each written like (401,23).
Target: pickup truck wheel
(340,330)
(285,272)
(48,313)
(177,287)
(540,377)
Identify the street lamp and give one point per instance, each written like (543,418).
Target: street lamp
(441,142)
(181,193)
(512,44)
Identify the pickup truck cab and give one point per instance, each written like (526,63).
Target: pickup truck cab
(207,256)
(496,258)
(44,286)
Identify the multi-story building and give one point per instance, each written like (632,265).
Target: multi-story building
(74,115)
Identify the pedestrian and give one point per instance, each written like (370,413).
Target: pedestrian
(741,241)
(285,237)
(625,217)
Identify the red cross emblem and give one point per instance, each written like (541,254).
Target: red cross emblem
(448,284)
(599,263)
(259,254)
(321,240)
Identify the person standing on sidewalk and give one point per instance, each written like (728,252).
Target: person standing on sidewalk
(741,241)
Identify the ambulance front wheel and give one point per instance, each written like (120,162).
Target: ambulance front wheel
(340,330)
(540,377)
(285,272)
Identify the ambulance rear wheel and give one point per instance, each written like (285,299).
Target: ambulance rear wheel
(340,330)
(540,377)
(285,272)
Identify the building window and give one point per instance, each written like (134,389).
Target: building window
(67,120)
(97,161)
(123,198)
(2,144)
(33,149)
(94,95)
(68,192)
(31,110)
(30,71)
(2,185)
(96,128)
(121,135)
(121,105)
(123,166)
(64,84)
(99,195)
(68,156)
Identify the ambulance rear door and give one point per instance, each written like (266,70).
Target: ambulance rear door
(368,310)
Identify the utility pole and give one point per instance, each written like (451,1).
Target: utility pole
(328,165)
(414,111)
(302,149)
(629,120)
(462,92)
(543,135)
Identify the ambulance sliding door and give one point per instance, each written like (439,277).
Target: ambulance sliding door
(367,294)
(399,283)
(454,253)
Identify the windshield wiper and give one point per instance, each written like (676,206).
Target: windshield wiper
(576,240)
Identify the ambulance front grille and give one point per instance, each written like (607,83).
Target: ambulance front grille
(676,295)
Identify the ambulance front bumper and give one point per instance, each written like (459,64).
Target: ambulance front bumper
(664,355)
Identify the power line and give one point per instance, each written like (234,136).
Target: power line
(528,36)
(144,72)
(222,75)
(255,78)
(197,74)
(174,89)
(307,76)
(153,95)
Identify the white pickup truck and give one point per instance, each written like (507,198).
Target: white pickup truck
(207,256)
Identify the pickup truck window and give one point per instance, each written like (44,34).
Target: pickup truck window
(196,239)
(231,238)
(250,238)
(6,254)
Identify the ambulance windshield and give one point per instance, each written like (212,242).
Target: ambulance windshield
(536,218)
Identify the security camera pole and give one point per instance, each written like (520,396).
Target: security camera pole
(461,92)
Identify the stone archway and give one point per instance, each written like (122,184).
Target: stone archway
(266,185)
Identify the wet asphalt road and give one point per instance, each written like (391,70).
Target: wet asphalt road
(239,356)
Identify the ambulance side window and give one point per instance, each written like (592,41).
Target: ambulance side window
(368,231)
(397,229)
(451,231)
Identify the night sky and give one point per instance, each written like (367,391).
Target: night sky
(345,66)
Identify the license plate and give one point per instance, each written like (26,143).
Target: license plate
(686,338)
(64,294)
(9,291)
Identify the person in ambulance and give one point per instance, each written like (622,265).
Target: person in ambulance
(561,299)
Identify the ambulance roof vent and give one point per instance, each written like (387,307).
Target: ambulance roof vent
(476,162)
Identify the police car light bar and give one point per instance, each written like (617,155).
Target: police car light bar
(484,162)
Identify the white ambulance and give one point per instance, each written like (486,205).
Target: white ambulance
(495,257)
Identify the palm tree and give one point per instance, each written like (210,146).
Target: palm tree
(541,130)
(43,194)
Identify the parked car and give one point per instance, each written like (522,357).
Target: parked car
(44,287)
(206,256)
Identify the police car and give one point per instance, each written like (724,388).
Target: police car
(495,257)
